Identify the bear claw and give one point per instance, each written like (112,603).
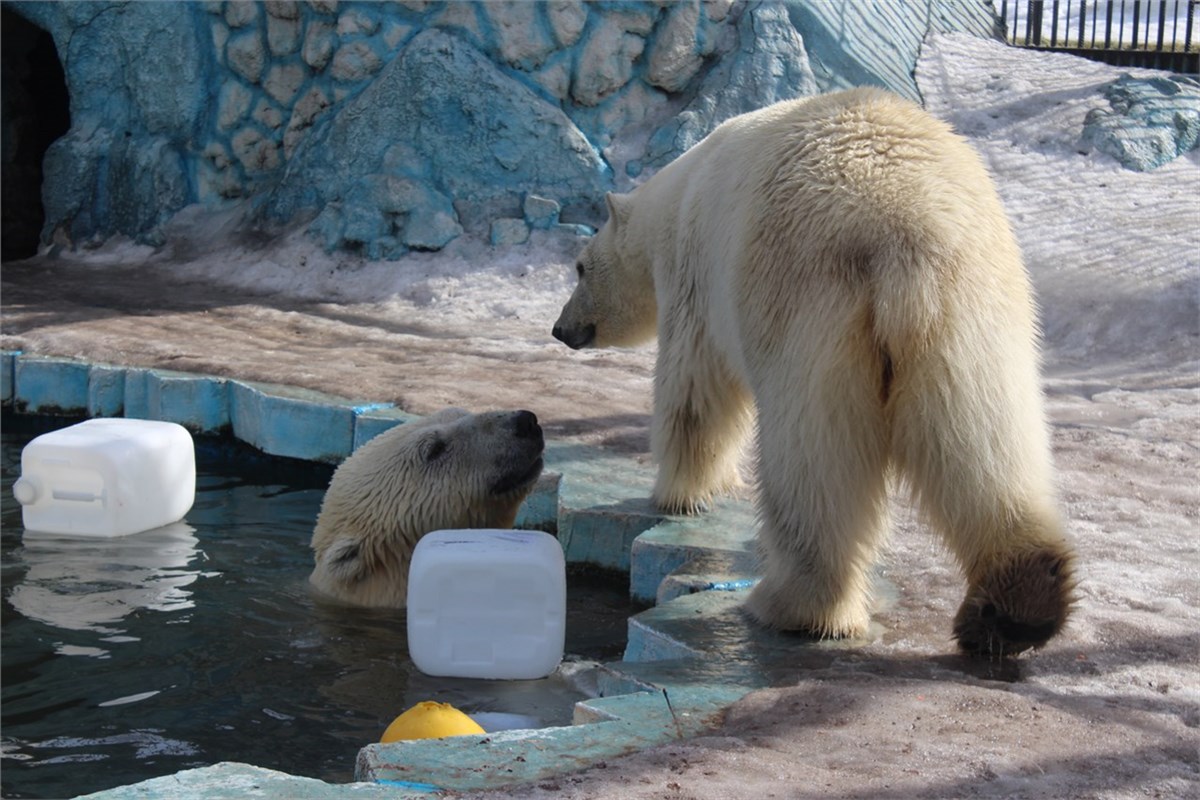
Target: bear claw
(1019,605)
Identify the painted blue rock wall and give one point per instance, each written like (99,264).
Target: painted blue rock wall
(1150,121)
(388,127)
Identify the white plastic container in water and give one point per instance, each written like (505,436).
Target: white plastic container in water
(107,477)
(487,604)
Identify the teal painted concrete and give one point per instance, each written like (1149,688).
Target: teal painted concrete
(603,507)
(296,423)
(234,780)
(687,658)
(7,363)
(50,385)
(623,725)
(201,404)
(106,391)
(687,554)
(137,394)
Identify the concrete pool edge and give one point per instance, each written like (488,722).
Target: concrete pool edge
(598,504)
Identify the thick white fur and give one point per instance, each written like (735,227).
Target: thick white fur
(388,494)
(845,261)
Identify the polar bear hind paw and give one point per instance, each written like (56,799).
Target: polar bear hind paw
(1018,604)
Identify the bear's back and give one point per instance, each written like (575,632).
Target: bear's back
(868,166)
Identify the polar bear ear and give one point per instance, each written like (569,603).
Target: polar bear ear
(619,208)
(343,560)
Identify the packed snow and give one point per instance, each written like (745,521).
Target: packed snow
(1109,709)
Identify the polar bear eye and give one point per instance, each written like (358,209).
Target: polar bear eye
(579,269)
(433,448)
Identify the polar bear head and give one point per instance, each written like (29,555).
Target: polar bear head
(449,470)
(613,304)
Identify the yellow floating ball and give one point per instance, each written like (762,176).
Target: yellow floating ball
(430,720)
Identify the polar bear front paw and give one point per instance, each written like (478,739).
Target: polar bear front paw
(688,495)
(785,610)
(679,497)
(1017,605)
(688,506)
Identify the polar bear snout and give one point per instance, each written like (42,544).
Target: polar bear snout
(522,463)
(575,338)
(525,423)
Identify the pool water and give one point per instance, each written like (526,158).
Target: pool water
(130,658)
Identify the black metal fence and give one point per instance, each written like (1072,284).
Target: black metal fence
(1160,34)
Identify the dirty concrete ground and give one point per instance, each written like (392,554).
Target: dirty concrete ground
(144,316)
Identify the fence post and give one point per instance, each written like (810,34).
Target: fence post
(1121,27)
(1187,31)
(1164,50)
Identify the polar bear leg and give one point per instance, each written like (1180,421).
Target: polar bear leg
(823,487)
(969,437)
(701,412)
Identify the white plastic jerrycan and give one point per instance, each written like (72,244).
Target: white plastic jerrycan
(107,477)
(487,603)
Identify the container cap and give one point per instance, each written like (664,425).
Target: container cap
(26,491)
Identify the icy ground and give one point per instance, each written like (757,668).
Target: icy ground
(1109,709)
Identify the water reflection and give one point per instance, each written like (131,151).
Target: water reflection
(375,676)
(93,584)
(145,744)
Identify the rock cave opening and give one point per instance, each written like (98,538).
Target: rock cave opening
(36,111)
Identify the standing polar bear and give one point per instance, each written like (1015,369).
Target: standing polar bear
(449,470)
(845,261)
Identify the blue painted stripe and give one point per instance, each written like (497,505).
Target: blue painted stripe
(733,586)
(368,407)
(410,785)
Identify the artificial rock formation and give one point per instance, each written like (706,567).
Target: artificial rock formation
(388,127)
